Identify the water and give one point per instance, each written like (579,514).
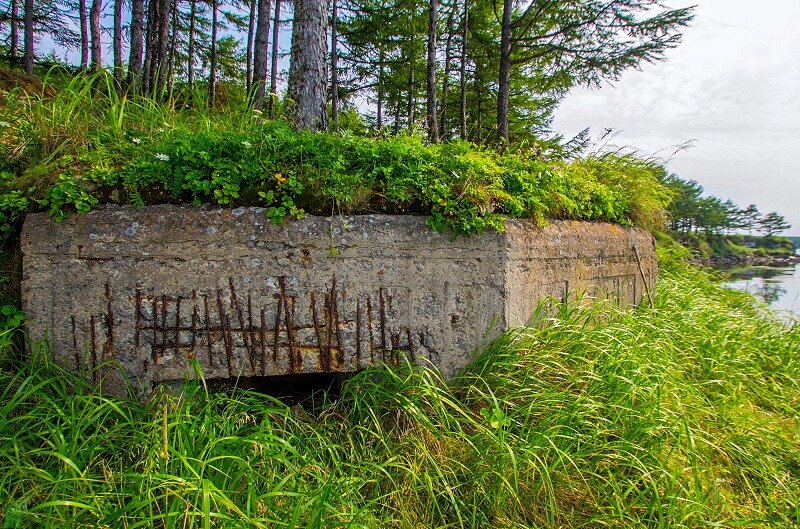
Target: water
(780,287)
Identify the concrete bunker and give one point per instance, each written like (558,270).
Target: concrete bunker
(156,289)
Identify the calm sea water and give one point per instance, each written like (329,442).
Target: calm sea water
(780,287)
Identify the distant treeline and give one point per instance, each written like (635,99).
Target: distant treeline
(692,212)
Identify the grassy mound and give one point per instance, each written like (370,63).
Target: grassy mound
(71,148)
(685,415)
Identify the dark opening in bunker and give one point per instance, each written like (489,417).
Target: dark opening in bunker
(305,389)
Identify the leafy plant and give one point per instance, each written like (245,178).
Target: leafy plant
(10,320)
(81,147)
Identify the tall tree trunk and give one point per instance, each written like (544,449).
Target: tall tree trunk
(136,36)
(163,46)
(273,75)
(14,51)
(433,18)
(94,29)
(261,52)
(334,67)
(190,50)
(379,83)
(410,100)
(396,127)
(150,46)
(478,107)
(308,77)
(251,26)
(118,67)
(463,70)
(446,81)
(212,78)
(27,59)
(84,23)
(173,44)
(505,73)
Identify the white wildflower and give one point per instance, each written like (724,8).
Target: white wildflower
(136,141)
(5,124)
(163,157)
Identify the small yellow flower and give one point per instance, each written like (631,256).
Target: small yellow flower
(280,178)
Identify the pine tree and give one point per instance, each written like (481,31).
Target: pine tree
(308,77)
(96,35)
(261,53)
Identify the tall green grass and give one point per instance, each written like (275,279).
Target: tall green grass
(684,415)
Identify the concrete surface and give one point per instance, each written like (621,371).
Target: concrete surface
(156,287)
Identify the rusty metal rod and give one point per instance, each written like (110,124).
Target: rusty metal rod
(94,349)
(109,323)
(337,327)
(324,361)
(208,331)
(369,328)
(277,328)
(138,318)
(644,280)
(75,346)
(263,340)
(153,353)
(177,325)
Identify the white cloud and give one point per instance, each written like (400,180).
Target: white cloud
(733,85)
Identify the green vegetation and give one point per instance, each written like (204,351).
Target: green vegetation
(70,148)
(716,247)
(684,415)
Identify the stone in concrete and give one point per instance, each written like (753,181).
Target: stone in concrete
(159,287)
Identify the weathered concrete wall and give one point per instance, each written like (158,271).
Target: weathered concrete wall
(155,287)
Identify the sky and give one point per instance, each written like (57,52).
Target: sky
(731,88)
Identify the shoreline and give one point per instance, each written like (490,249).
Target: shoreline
(777,261)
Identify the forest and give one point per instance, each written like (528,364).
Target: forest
(480,70)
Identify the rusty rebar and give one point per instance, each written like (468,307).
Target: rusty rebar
(176,346)
(208,331)
(194,323)
(109,323)
(276,330)
(382,315)
(225,324)
(324,359)
(358,333)
(288,323)
(239,313)
(335,306)
(163,324)
(263,340)
(75,346)
(94,349)
(137,329)
(153,353)
(369,328)
(329,329)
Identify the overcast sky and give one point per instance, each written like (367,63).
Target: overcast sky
(732,86)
